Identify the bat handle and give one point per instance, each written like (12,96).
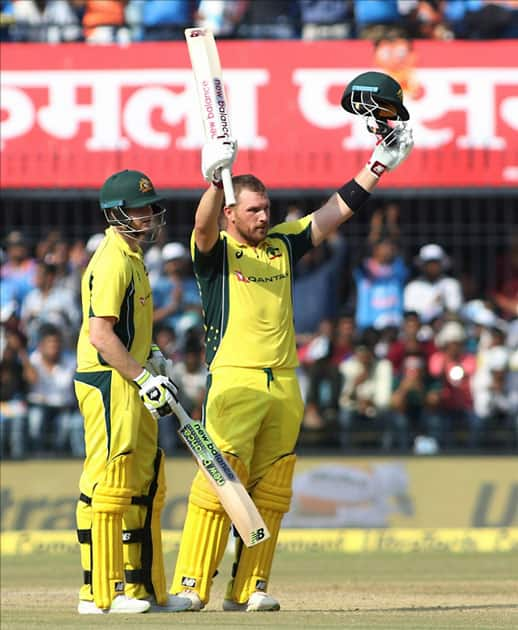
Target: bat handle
(226,177)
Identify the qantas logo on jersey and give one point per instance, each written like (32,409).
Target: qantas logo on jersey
(242,278)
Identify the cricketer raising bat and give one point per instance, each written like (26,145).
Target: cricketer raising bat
(231,492)
(211,94)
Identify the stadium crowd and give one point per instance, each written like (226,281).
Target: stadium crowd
(395,354)
(123,21)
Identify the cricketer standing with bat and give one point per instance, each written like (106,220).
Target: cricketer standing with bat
(253,407)
(122,392)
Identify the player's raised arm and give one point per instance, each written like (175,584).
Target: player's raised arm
(378,98)
(216,155)
(352,195)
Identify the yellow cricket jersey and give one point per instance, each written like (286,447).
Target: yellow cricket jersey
(246,296)
(115,284)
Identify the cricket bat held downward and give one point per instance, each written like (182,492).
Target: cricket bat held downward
(231,492)
(211,94)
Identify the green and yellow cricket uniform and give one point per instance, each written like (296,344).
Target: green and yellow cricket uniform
(253,407)
(120,434)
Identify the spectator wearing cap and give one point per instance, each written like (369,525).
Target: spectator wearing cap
(18,272)
(450,400)
(433,294)
(176,297)
(49,303)
(494,402)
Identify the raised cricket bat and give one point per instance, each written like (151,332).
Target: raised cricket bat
(211,94)
(231,492)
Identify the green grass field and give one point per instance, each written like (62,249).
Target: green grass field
(317,590)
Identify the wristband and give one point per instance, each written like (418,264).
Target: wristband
(142,377)
(218,183)
(353,195)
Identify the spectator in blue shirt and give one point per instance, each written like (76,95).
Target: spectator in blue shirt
(166,19)
(176,297)
(380,280)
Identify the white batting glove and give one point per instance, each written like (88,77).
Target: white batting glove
(158,393)
(157,364)
(391,151)
(215,155)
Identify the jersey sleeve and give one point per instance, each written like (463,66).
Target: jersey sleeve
(204,263)
(108,286)
(297,233)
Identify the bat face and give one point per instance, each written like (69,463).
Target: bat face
(232,494)
(211,94)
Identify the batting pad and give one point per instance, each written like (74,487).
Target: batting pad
(272,495)
(109,502)
(204,536)
(142,537)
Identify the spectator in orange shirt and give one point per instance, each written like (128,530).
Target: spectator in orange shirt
(103,21)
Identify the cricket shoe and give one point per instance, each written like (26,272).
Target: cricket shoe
(193,597)
(121,604)
(173,604)
(258,601)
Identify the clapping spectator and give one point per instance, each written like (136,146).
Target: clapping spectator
(411,384)
(433,293)
(365,399)
(55,424)
(450,401)
(380,281)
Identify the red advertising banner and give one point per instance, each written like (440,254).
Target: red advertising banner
(71,114)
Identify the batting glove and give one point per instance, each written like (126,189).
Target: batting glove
(158,393)
(157,364)
(215,155)
(391,150)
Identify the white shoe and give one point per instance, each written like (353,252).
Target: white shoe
(193,597)
(174,604)
(121,604)
(258,601)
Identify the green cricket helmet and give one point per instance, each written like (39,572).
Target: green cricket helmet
(129,190)
(377,95)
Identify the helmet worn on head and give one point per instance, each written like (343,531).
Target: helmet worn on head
(375,94)
(128,190)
